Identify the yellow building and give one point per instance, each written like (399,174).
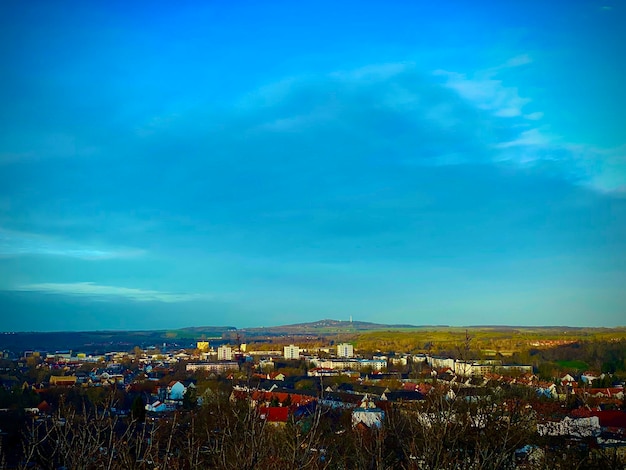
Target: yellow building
(62,380)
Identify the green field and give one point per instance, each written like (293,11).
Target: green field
(576,365)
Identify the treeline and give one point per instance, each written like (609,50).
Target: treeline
(607,357)
(603,354)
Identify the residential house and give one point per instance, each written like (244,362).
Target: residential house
(367,415)
(276,376)
(175,390)
(570,427)
(275,415)
(323,372)
(589,377)
(158,407)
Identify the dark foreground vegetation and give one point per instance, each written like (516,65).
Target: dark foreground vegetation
(497,431)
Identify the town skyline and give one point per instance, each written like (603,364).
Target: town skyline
(545,400)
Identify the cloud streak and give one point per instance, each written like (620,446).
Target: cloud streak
(102,292)
(15,243)
(487,92)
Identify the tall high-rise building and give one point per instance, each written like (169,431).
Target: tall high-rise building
(224,353)
(292,352)
(345,350)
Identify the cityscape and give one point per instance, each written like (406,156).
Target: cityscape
(327,394)
(345,235)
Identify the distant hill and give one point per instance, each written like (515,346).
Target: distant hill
(328,325)
(98,342)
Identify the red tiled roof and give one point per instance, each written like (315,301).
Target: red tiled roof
(274,414)
(296,399)
(611,419)
(608,418)
(43,406)
(262,397)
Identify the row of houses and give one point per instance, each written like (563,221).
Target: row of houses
(278,406)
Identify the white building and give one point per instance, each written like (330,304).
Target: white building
(176,390)
(266,364)
(353,364)
(224,353)
(345,350)
(213,366)
(576,427)
(368,414)
(374,364)
(399,361)
(291,352)
(440,362)
(482,368)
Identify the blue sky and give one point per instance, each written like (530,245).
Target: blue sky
(171,165)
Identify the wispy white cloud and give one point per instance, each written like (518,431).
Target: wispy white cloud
(329,110)
(600,169)
(90,289)
(531,137)
(16,243)
(486,93)
(535,116)
(606,167)
(395,110)
(525,143)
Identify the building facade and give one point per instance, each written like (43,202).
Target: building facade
(224,353)
(345,350)
(352,364)
(213,366)
(291,352)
